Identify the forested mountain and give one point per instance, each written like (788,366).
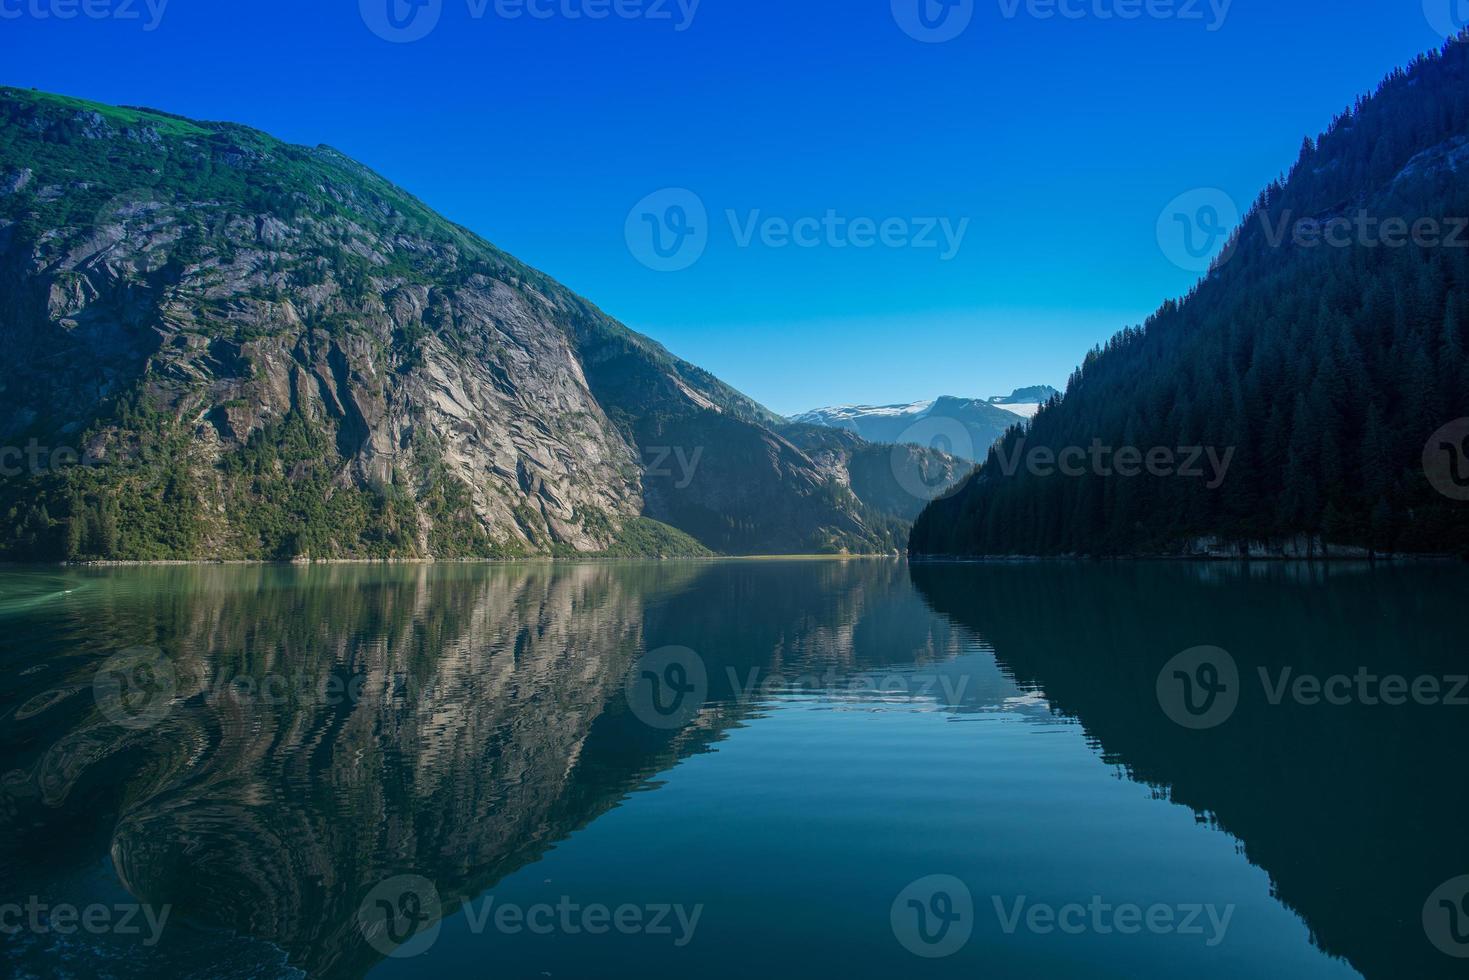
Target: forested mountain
(1325,350)
(218,345)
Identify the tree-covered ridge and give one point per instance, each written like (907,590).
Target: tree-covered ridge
(1324,348)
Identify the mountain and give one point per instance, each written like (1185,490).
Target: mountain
(1025,402)
(964,427)
(1309,394)
(896,480)
(219,345)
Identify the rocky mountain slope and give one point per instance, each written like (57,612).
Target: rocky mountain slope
(896,480)
(220,345)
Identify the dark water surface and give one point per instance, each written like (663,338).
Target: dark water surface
(729,769)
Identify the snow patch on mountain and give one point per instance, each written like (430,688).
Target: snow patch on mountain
(836,414)
(1024,402)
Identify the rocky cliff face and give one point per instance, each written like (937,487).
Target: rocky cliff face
(219,345)
(233,347)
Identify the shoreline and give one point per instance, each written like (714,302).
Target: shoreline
(1338,559)
(1198,559)
(528,560)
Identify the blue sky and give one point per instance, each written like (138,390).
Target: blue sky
(1052,142)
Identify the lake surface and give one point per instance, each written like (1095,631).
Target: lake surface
(725,769)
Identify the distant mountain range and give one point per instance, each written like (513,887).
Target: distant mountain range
(1025,401)
(963,427)
(1309,397)
(218,345)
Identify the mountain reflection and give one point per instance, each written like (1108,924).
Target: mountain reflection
(1356,812)
(330,727)
(321,730)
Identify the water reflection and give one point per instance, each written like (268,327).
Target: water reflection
(1357,810)
(267,746)
(319,730)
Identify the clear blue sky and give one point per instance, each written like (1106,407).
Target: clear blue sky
(1060,139)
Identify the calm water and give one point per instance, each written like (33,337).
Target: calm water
(726,769)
